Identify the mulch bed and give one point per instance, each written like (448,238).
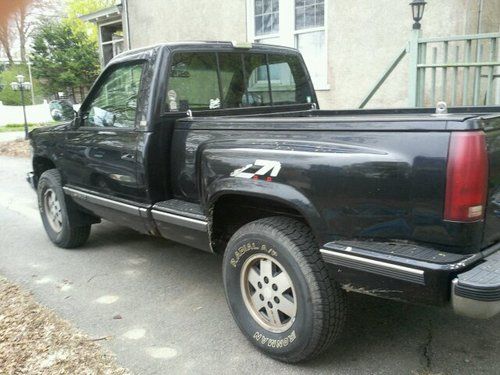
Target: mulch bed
(34,340)
(18,148)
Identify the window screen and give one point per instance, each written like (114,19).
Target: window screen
(266,14)
(309,13)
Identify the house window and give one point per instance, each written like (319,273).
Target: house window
(299,24)
(111,41)
(309,13)
(266,16)
(310,38)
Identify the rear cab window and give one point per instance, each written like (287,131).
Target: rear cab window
(219,80)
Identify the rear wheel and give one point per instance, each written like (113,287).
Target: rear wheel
(59,216)
(279,290)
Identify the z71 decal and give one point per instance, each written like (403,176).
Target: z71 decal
(259,168)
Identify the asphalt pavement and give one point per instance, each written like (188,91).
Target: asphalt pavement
(159,306)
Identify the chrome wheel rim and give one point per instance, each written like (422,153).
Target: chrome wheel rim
(52,210)
(268,293)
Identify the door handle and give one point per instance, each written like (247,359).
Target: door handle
(106,132)
(128,157)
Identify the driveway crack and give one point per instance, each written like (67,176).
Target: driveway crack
(427,348)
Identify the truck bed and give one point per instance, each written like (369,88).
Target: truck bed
(383,184)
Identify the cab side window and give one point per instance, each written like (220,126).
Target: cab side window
(115,104)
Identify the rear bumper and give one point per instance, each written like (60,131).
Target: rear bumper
(418,274)
(476,293)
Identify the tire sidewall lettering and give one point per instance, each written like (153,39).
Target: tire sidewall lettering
(242,250)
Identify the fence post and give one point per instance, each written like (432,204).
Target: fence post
(413,73)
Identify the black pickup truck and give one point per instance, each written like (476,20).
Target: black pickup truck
(222,147)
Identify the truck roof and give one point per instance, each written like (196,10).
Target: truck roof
(144,52)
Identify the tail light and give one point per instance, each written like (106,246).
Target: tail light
(466,177)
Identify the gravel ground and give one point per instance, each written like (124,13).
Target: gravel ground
(34,340)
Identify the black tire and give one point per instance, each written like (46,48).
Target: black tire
(320,303)
(72,232)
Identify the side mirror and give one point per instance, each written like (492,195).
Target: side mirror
(56,114)
(61,110)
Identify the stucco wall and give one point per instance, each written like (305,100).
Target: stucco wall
(364,36)
(156,21)
(364,39)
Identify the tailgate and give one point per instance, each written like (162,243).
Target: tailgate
(492,220)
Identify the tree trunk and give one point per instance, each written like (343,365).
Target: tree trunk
(82,94)
(21,29)
(8,53)
(5,42)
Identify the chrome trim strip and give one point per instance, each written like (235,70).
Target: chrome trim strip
(182,221)
(105,202)
(374,266)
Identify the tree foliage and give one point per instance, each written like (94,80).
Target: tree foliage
(63,59)
(76,8)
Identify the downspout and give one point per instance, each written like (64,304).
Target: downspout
(127,22)
(479,13)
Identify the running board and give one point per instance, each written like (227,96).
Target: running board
(174,219)
(183,222)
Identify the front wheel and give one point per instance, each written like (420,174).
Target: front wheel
(59,217)
(279,290)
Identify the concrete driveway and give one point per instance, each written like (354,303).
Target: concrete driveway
(11,136)
(173,313)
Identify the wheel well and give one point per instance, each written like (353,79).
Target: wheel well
(231,212)
(40,165)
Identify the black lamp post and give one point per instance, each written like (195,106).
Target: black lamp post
(22,86)
(417,10)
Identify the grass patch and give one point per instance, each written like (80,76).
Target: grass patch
(20,127)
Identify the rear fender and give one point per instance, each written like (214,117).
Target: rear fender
(277,192)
